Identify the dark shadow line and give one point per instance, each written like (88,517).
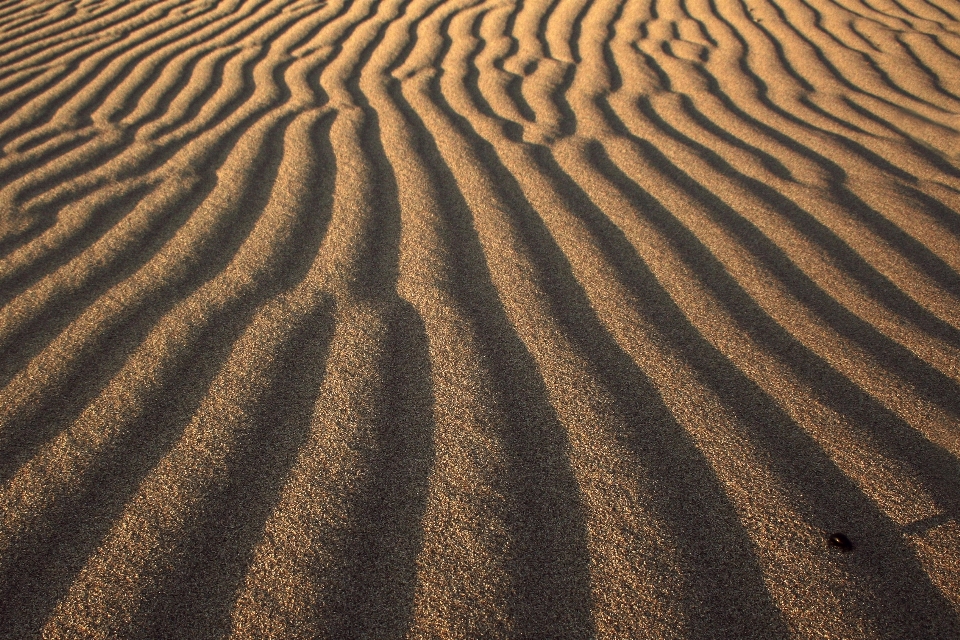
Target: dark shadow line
(939,470)
(45,113)
(197,594)
(924,525)
(514,85)
(767,160)
(840,77)
(471,80)
(217,154)
(62,147)
(155,44)
(576,31)
(10,28)
(830,500)
(58,30)
(34,93)
(161,56)
(541,32)
(946,217)
(883,291)
(548,558)
(692,502)
(200,100)
(22,437)
(933,76)
(931,155)
(412,38)
(162,106)
(18,82)
(13,283)
(701,25)
(771,40)
(40,38)
(109,151)
(378,574)
(72,529)
(313,77)
(616,78)
(929,382)
(763,97)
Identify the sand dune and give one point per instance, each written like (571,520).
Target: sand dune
(479,318)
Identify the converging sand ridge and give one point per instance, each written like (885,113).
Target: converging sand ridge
(479,318)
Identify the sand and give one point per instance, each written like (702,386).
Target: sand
(479,318)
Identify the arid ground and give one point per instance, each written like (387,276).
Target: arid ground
(479,318)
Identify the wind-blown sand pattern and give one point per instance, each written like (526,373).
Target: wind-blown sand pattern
(479,318)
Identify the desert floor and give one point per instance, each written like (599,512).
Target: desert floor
(479,318)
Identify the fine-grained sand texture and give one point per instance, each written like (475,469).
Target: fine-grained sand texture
(479,318)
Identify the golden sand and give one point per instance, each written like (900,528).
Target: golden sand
(479,318)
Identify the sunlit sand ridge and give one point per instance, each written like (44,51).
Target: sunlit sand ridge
(479,318)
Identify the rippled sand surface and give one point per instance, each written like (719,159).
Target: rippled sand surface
(479,318)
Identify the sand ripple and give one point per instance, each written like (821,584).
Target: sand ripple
(479,318)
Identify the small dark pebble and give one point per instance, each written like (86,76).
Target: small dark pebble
(841,542)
